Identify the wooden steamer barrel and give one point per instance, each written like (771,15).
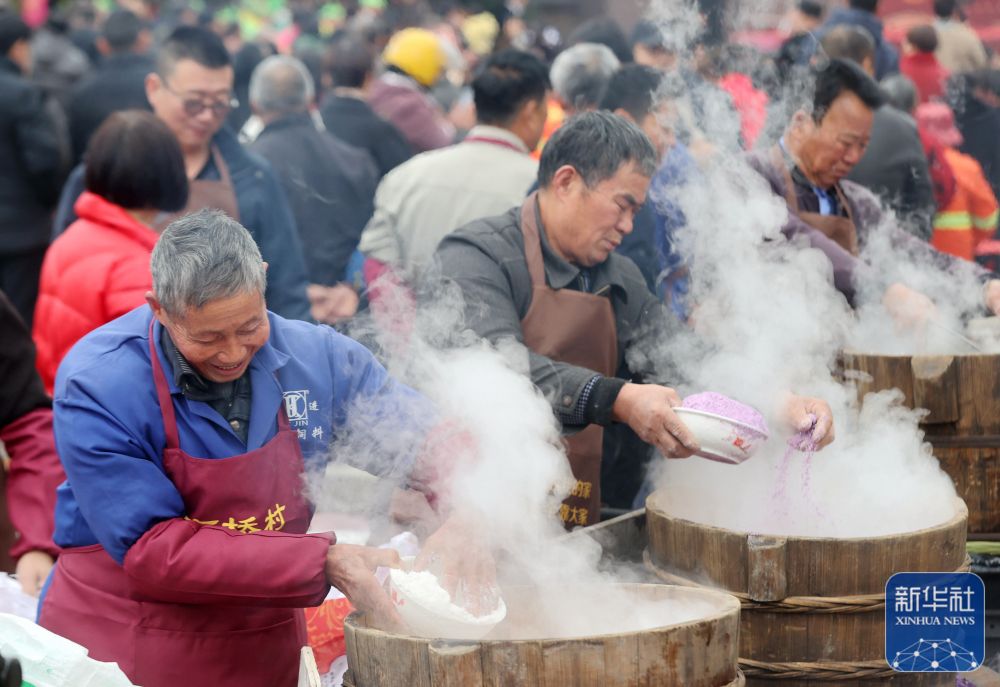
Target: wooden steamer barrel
(698,653)
(962,395)
(813,608)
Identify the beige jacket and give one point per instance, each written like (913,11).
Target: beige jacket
(421,201)
(959,48)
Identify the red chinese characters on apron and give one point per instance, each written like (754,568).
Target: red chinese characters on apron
(91,602)
(203,194)
(842,230)
(579,329)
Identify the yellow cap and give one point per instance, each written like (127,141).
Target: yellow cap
(480,32)
(417,52)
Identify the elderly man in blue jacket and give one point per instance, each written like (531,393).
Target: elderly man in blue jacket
(185,428)
(192,92)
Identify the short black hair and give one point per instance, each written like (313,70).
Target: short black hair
(923,37)
(847,42)
(648,33)
(349,61)
(811,8)
(865,5)
(134,161)
(606,32)
(633,88)
(596,144)
(192,43)
(945,9)
(839,76)
(121,30)
(504,82)
(12,30)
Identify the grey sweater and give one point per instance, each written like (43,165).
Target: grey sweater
(485,259)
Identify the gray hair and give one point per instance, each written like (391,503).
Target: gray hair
(596,145)
(580,75)
(202,257)
(281,84)
(900,92)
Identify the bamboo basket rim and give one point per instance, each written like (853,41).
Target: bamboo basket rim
(818,605)
(961,513)
(728,604)
(739,681)
(910,356)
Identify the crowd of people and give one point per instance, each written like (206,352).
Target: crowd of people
(167,172)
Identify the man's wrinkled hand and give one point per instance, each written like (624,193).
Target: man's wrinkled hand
(32,570)
(909,309)
(331,304)
(812,415)
(993,296)
(648,410)
(463,564)
(351,569)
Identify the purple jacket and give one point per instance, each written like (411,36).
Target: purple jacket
(867,214)
(400,100)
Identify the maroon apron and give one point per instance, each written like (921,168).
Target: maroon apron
(217,194)
(842,230)
(579,329)
(90,600)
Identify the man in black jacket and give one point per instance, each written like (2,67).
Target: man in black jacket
(118,83)
(30,167)
(346,113)
(330,185)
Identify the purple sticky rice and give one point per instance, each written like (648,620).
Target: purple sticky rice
(803,440)
(717,404)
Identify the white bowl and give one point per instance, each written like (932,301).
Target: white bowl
(722,439)
(428,622)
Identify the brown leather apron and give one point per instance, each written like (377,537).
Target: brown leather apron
(217,194)
(579,329)
(842,230)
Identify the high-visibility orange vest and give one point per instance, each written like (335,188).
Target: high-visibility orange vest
(553,121)
(971,216)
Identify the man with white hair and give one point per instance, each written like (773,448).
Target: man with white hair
(579,76)
(330,185)
(185,428)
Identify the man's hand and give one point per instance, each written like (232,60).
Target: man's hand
(351,569)
(463,565)
(910,309)
(648,410)
(411,509)
(331,304)
(32,570)
(993,296)
(812,415)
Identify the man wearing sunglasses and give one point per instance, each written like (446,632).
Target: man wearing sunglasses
(192,92)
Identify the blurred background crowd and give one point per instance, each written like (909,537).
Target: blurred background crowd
(309,121)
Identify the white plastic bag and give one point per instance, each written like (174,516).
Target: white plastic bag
(48,660)
(13,600)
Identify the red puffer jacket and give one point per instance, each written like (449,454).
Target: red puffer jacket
(97,270)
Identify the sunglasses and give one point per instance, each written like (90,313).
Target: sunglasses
(195,105)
